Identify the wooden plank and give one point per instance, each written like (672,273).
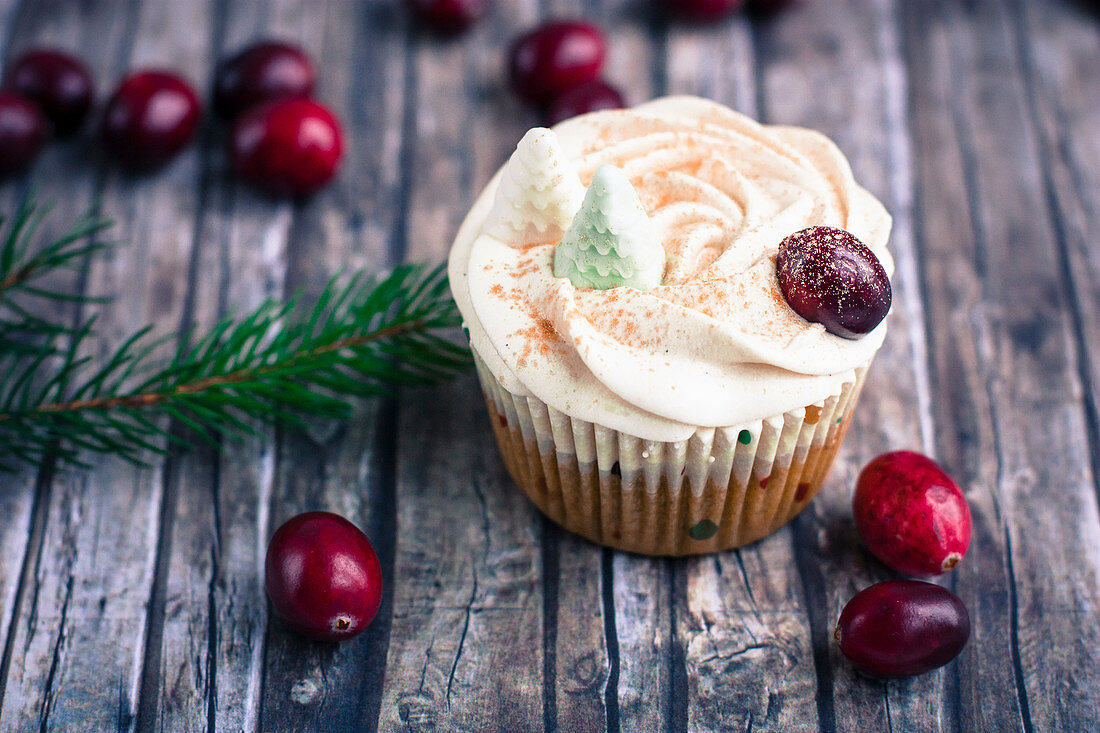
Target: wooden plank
(218,570)
(1012,425)
(8,10)
(308,682)
(162,214)
(1060,53)
(63,178)
(19,493)
(91,582)
(578,665)
(346,469)
(650,662)
(856,57)
(467,645)
(215,611)
(205,669)
(311,685)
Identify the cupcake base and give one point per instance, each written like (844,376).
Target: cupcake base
(721,488)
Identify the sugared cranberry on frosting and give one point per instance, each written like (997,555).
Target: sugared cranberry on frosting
(828,276)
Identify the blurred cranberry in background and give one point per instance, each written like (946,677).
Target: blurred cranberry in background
(701,10)
(287,148)
(58,83)
(23,131)
(555,57)
(448,17)
(587,97)
(770,7)
(263,72)
(150,118)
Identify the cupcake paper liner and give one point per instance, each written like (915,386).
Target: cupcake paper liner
(721,488)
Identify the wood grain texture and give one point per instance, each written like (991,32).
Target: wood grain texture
(161,230)
(208,645)
(974,122)
(576,621)
(86,595)
(1059,47)
(71,189)
(466,645)
(1003,345)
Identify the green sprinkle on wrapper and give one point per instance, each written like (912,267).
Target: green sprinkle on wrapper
(704,530)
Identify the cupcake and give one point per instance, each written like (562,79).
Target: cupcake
(672,309)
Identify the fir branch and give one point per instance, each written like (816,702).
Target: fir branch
(23,269)
(20,268)
(279,362)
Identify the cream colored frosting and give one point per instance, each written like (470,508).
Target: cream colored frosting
(715,344)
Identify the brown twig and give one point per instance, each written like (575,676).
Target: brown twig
(150,399)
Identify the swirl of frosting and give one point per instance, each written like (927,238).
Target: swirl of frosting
(715,344)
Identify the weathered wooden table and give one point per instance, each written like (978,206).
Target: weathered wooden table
(133,598)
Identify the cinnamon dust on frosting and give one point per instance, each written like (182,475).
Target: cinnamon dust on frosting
(715,344)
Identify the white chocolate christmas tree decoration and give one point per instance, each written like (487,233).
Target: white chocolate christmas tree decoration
(538,195)
(611,241)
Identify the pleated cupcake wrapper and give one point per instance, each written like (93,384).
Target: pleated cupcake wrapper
(720,488)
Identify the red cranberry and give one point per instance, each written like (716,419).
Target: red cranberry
(829,277)
(902,628)
(23,131)
(290,147)
(448,17)
(911,514)
(588,97)
(555,57)
(260,73)
(702,10)
(323,576)
(57,82)
(149,119)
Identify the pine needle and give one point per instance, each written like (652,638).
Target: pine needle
(362,336)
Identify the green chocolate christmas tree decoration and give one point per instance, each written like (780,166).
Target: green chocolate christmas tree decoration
(610,242)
